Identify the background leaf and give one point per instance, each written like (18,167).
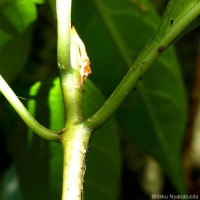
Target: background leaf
(39,163)
(19,13)
(174,13)
(154,116)
(103,161)
(16,19)
(114,33)
(39,1)
(4,38)
(9,186)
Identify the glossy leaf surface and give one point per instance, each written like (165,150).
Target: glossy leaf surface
(154,115)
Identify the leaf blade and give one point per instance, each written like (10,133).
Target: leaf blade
(123,37)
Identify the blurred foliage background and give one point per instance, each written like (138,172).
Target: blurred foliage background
(149,147)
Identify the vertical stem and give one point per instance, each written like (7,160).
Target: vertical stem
(75,137)
(75,145)
(63,9)
(70,77)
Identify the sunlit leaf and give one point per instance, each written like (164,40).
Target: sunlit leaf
(16,25)
(19,13)
(39,1)
(154,115)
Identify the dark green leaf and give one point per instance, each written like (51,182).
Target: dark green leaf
(4,37)
(154,115)
(156,118)
(14,53)
(174,13)
(102,178)
(39,163)
(193,25)
(16,19)
(9,186)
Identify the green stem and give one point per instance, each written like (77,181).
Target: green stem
(75,145)
(76,136)
(153,50)
(63,11)
(70,77)
(25,115)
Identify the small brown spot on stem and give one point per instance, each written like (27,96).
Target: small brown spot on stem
(61,131)
(160,49)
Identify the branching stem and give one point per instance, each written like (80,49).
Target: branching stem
(25,115)
(152,50)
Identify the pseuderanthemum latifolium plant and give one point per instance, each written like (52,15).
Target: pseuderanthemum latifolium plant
(82,127)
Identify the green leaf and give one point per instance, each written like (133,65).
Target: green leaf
(174,14)
(114,36)
(4,38)
(16,26)
(189,28)
(19,13)
(154,116)
(14,54)
(39,163)
(9,185)
(39,1)
(102,179)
